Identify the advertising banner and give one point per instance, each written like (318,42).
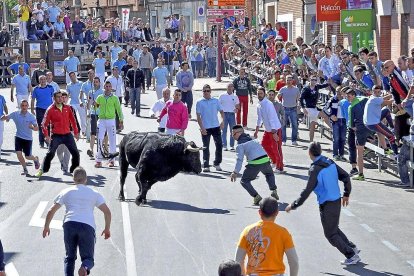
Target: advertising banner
(355,21)
(34,50)
(58,69)
(359,4)
(329,10)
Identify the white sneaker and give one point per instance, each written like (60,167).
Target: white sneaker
(354,260)
(218,168)
(245,127)
(225,149)
(284,143)
(232,149)
(277,171)
(295,143)
(207,169)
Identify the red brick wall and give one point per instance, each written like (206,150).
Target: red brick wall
(291,7)
(250,10)
(333,28)
(383,37)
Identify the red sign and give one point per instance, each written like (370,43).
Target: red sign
(329,10)
(225,2)
(219,12)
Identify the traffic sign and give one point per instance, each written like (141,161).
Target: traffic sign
(219,12)
(215,21)
(201,11)
(225,2)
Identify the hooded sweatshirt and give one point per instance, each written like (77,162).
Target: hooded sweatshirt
(249,147)
(185,80)
(323,181)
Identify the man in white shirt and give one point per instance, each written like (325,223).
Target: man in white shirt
(266,113)
(231,105)
(118,89)
(157,107)
(79,222)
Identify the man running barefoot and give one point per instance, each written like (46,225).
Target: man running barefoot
(25,125)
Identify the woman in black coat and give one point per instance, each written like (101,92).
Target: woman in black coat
(147,33)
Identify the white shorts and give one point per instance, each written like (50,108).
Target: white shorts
(313,114)
(176,65)
(171,131)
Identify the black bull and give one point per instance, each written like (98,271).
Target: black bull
(157,157)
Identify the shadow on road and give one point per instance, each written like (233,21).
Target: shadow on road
(98,181)
(211,176)
(360,269)
(297,167)
(8,256)
(177,206)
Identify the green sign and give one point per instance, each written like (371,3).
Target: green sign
(355,21)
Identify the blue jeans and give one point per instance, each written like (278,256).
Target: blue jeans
(135,97)
(352,146)
(402,163)
(75,40)
(409,108)
(40,113)
(215,132)
(211,67)
(170,69)
(187,98)
(148,75)
(82,235)
(229,121)
(193,68)
(291,113)
(199,68)
(339,136)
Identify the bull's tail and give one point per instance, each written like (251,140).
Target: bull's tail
(105,153)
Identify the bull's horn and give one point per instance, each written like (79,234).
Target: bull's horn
(202,148)
(191,149)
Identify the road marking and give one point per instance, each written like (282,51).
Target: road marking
(411,263)
(348,213)
(38,221)
(390,246)
(129,244)
(369,229)
(11,270)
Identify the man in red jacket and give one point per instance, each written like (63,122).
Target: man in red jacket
(281,31)
(61,118)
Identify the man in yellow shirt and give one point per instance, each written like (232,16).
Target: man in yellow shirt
(24,14)
(265,243)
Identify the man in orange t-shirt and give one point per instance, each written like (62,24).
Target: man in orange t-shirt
(265,242)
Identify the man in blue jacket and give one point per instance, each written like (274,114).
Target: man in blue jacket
(323,181)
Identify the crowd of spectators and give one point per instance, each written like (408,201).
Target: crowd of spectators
(379,92)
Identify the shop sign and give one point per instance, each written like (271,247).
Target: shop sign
(329,10)
(355,21)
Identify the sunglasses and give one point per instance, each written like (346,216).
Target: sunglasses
(206,91)
(314,80)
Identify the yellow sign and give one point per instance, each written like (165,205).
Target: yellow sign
(225,2)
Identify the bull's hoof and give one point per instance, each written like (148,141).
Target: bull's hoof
(121,198)
(138,201)
(144,201)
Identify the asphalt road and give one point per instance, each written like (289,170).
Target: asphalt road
(193,222)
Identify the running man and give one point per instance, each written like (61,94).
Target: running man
(79,223)
(158,106)
(108,105)
(61,118)
(74,91)
(258,161)
(93,113)
(322,171)
(25,125)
